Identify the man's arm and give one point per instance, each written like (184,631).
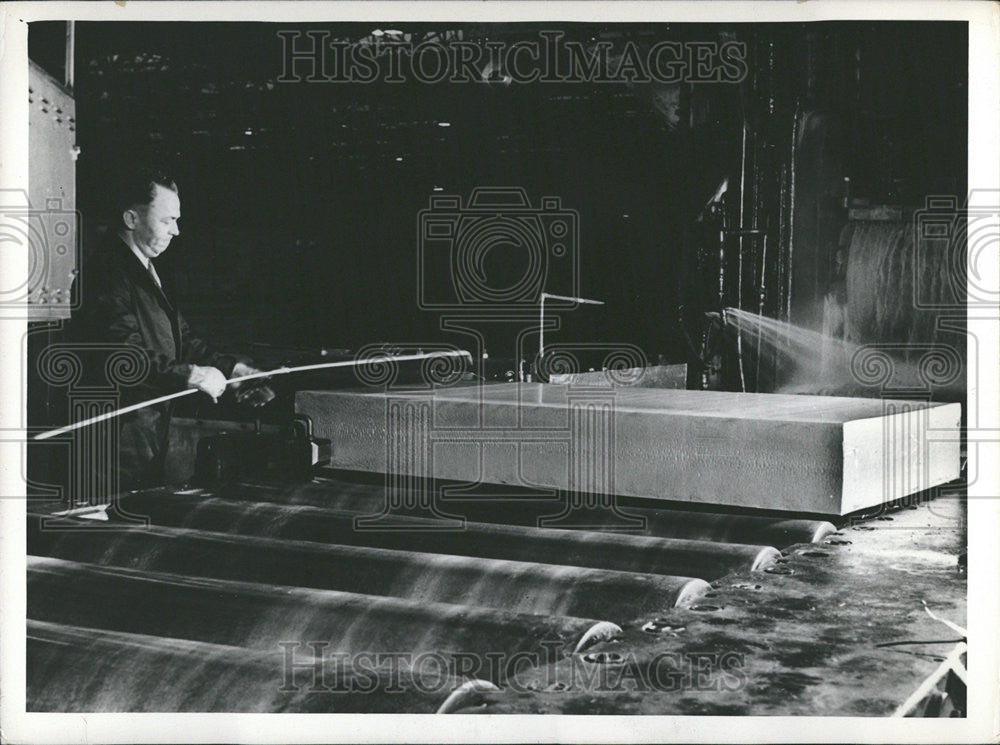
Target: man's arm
(108,315)
(112,318)
(197,351)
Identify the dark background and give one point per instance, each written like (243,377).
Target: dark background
(299,225)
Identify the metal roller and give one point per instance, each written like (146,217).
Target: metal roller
(338,493)
(468,694)
(70,668)
(668,556)
(516,586)
(709,526)
(260,616)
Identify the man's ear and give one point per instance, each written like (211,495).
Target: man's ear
(129,217)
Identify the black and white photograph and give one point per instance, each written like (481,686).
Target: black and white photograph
(633,363)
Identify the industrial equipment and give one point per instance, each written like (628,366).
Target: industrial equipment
(270,583)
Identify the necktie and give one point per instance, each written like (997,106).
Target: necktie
(152,273)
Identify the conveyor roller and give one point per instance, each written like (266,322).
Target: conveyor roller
(515,586)
(340,493)
(668,556)
(76,669)
(259,616)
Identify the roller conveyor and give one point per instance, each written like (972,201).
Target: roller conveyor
(668,556)
(368,498)
(842,629)
(259,616)
(122,672)
(254,557)
(520,587)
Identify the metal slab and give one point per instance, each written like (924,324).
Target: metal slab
(812,454)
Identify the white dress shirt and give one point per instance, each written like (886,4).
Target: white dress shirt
(148,264)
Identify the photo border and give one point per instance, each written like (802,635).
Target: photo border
(980,725)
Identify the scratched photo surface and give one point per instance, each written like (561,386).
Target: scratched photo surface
(498,368)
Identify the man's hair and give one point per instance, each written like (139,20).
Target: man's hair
(138,188)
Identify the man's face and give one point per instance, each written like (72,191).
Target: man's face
(153,226)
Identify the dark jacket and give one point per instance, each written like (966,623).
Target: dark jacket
(120,304)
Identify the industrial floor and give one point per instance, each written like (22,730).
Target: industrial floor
(271,597)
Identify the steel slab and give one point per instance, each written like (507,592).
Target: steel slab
(812,454)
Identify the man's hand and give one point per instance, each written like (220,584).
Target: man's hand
(209,380)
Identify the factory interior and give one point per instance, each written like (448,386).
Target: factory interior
(621,396)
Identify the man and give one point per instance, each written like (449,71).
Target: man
(123,302)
